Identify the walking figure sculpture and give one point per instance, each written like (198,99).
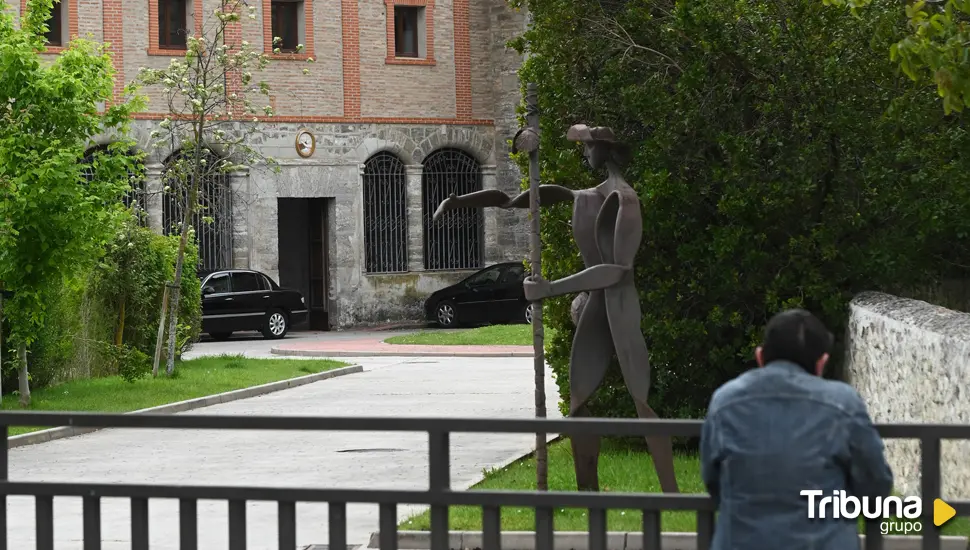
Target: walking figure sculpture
(607,226)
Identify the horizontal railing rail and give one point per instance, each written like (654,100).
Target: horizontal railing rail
(439,496)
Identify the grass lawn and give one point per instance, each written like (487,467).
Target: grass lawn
(195,378)
(492,335)
(622,469)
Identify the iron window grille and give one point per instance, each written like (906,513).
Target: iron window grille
(136,198)
(213,218)
(385,214)
(456,240)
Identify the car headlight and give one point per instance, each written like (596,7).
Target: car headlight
(302,300)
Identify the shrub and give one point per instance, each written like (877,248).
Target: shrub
(780,158)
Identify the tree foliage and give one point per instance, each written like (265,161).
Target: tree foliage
(780,157)
(52,226)
(211,98)
(935,46)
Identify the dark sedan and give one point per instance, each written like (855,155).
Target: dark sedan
(492,295)
(239,299)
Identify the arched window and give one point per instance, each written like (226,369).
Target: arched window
(385,214)
(135,197)
(213,217)
(454,241)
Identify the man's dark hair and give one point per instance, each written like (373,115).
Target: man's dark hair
(797,336)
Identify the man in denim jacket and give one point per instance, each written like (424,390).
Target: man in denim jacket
(778,430)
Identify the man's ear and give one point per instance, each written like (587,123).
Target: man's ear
(820,364)
(759,357)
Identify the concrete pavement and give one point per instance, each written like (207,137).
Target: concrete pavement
(468,387)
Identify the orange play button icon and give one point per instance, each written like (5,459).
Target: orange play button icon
(942,512)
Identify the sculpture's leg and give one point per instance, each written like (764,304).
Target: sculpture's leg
(586,456)
(623,307)
(591,355)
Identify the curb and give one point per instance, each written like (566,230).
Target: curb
(578,540)
(51,434)
(394,353)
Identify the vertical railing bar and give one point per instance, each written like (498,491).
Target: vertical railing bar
(4,472)
(139,524)
(237,525)
(91,512)
(930,489)
(597,529)
(188,524)
(44,521)
(388,526)
(651,529)
(705,529)
(439,470)
(491,528)
(873,535)
(544,529)
(286,524)
(337,525)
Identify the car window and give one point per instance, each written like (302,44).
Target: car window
(513,274)
(267,283)
(219,283)
(246,282)
(487,277)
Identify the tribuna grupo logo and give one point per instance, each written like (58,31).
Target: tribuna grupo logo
(898,514)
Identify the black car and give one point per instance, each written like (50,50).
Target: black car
(492,295)
(239,299)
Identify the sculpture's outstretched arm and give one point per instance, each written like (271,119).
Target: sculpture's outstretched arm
(597,277)
(548,194)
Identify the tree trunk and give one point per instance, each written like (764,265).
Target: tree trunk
(179,264)
(542,461)
(161,332)
(120,330)
(24,379)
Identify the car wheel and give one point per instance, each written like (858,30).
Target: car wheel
(220,335)
(446,314)
(275,325)
(527,314)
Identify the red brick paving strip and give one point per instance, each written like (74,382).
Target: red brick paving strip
(375,346)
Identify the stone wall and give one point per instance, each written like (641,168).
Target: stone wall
(335,172)
(910,361)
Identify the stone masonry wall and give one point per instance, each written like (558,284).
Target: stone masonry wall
(910,361)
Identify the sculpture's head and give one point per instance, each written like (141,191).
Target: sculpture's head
(601,145)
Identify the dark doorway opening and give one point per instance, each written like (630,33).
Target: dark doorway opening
(305,254)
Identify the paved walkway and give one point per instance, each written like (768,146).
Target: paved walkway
(500,388)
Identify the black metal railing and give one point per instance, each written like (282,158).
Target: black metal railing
(439,495)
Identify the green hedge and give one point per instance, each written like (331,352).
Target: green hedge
(80,336)
(780,158)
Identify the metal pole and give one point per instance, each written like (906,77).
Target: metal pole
(532,119)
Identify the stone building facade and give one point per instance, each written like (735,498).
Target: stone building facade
(406,101)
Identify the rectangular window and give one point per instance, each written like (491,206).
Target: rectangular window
(55,25)
(406,20)
(286,15)
(172,28)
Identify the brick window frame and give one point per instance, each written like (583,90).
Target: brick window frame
(308,32)
(194,8)
(428,6)
(72,24)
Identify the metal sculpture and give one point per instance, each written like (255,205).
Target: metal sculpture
(607,226)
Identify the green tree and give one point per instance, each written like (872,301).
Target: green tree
(781,160)
(52,226)
(209,96)
(935,46)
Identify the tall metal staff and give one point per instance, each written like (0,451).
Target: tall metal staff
(527,139)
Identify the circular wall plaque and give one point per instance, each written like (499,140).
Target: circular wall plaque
(305,144)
